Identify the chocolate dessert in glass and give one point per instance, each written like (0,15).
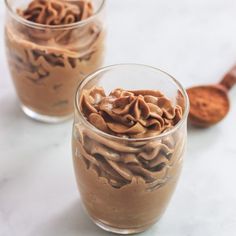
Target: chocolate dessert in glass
(129,138)
(51,45)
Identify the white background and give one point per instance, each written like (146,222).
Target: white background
(194,40)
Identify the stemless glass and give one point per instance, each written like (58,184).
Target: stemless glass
(136,204)
(46,62)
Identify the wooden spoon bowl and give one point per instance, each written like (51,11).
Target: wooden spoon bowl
(209,104)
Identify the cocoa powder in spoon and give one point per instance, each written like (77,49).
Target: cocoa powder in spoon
(209,104)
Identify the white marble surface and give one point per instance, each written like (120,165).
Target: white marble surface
(195,40)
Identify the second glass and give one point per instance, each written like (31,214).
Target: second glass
(48,57)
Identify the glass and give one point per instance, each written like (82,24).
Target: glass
(46,62)
(135,204)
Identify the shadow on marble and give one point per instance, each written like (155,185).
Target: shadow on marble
(203,138)
(10,108)
(44,139)
(73,221)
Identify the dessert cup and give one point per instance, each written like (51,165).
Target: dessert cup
(126,183)
(48,58)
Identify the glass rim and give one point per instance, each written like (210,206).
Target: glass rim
(53,27)
(91,76)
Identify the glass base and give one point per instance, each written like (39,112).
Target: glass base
(111,229)
(44,118)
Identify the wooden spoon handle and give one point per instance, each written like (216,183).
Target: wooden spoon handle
(229,80)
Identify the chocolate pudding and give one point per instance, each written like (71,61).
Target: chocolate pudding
(125,165)
(49,52)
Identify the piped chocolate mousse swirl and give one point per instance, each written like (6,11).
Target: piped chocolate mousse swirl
(61,13)
(134,114)
(130,114)
(46,63)
(57,12)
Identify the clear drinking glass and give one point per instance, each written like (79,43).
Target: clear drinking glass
(46,62)
(139,202)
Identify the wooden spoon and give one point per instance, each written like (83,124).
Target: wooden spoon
(209,104)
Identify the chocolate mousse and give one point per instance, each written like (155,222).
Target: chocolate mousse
(49,53)
(125,165)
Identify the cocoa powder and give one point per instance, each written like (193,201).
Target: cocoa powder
(209,104)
